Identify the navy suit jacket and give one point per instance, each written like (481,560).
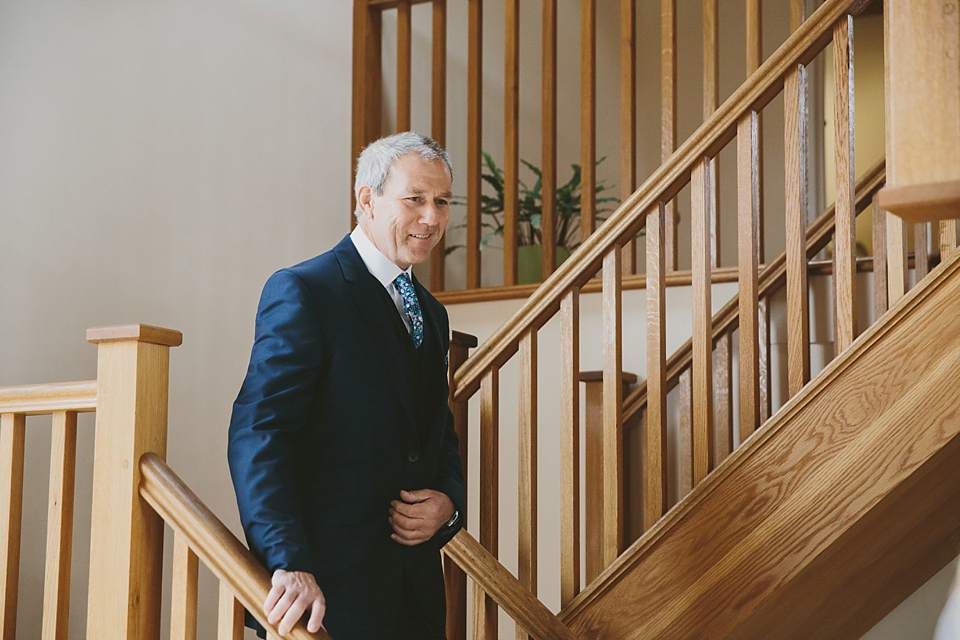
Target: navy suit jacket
(330,424)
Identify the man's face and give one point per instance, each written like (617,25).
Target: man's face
(408,220)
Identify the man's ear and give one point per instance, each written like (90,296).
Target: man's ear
(365,200)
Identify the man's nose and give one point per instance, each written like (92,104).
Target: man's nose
(430,214)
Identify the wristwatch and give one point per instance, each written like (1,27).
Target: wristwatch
(453,520)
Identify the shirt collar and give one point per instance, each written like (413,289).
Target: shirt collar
(380,266)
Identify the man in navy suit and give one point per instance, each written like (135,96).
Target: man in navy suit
(341,445)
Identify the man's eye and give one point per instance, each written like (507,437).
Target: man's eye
(442,202)
(414,199)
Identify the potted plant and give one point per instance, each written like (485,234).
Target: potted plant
(530,214)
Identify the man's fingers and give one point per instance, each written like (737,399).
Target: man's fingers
(292,615)
(409,541)
(273,597)
(317,611)
(411,496)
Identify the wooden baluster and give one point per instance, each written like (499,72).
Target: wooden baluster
(711,100)
(766,380)
(229,615)
(921,251)
(685,434)
(795,150)
(845,238)
(485,610)
(594,477)
(588,116)
(404,38)
(612,406)
(183,597)
(367,80)
(527,468)
(56,583)
(438,125)
(548,138)
(896,257)
(701,214)
(754,58)
(655,435)
(668,119)
(948,238)
(474,138)
(748,209)
(126,548)
(724,400)
(754,36)
(12,428)
(796,14)
(879,230)
(511,140)
(570,447)
(455,579)
(628,117)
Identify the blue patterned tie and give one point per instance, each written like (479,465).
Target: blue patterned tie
(410,306)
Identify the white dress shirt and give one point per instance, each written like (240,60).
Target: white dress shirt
(383,269)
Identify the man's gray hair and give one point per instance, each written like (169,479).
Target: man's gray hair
(373,165)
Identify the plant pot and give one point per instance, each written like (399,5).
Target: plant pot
(529,259)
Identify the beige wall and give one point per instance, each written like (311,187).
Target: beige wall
(158,160)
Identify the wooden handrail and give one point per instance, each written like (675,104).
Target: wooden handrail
(771,278)
(210,539)
(762,86)
(46,398)
(501,585)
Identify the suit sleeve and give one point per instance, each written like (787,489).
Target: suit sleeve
(449,477)
(268,417)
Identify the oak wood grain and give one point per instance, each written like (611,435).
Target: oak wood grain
(511,139)
(655,434)
(701,214)
(795,162)
(474,138)
(527,468)
(612,406)
(748,199)
(844,246)
(877,421)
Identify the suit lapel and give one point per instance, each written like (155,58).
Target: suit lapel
(368,295)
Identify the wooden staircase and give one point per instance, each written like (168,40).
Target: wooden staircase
(845,502)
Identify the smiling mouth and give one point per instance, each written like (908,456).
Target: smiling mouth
(421,236)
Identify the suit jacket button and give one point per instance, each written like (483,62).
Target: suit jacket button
(413,457)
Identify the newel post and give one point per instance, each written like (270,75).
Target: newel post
(126,537)
(922,40)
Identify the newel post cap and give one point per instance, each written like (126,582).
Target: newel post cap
(138,332)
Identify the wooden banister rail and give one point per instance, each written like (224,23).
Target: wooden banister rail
(501,585)
(211,541)
(41,399)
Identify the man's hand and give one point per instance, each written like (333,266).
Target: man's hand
(417,515)
(292,594)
